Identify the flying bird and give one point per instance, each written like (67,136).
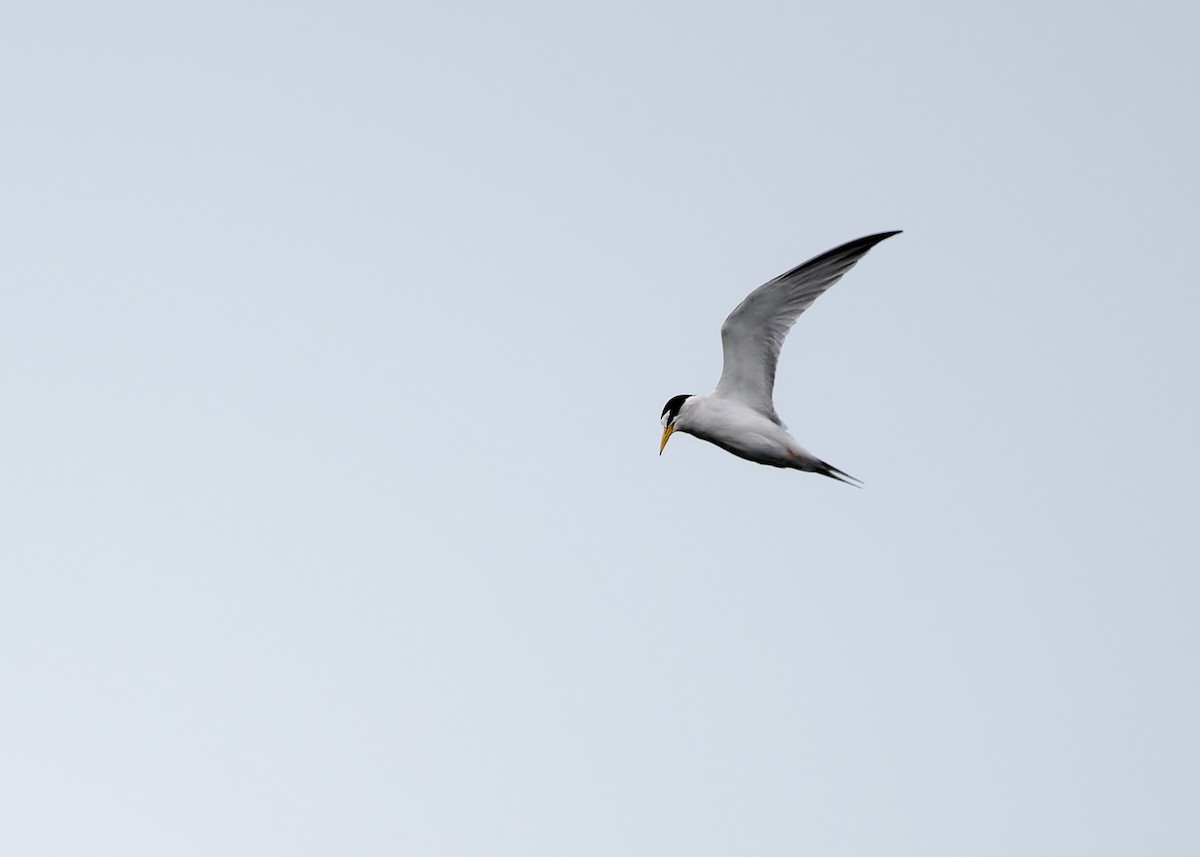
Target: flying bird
(739,415)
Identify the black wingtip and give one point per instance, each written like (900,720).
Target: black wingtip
(868,241)
(848,254)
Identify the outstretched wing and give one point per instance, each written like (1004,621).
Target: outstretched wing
(753,334)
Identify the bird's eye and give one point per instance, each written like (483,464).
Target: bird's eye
(666,420)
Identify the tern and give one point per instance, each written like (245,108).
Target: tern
(739,415)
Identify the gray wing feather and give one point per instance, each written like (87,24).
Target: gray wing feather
(753,334)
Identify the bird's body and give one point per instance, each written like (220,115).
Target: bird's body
(739,415)
(738,429)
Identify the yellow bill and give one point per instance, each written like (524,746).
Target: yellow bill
(666,436)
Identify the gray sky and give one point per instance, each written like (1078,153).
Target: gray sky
(334,340)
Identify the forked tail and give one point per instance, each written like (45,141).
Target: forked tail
(841,476)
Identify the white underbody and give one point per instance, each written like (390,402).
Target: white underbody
(743,431)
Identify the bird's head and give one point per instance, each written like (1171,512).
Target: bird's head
(670,415)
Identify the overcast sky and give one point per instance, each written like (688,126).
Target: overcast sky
(333,342)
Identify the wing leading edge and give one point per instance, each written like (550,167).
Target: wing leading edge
(753,334)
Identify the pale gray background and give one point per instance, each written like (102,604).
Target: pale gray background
(334,342)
